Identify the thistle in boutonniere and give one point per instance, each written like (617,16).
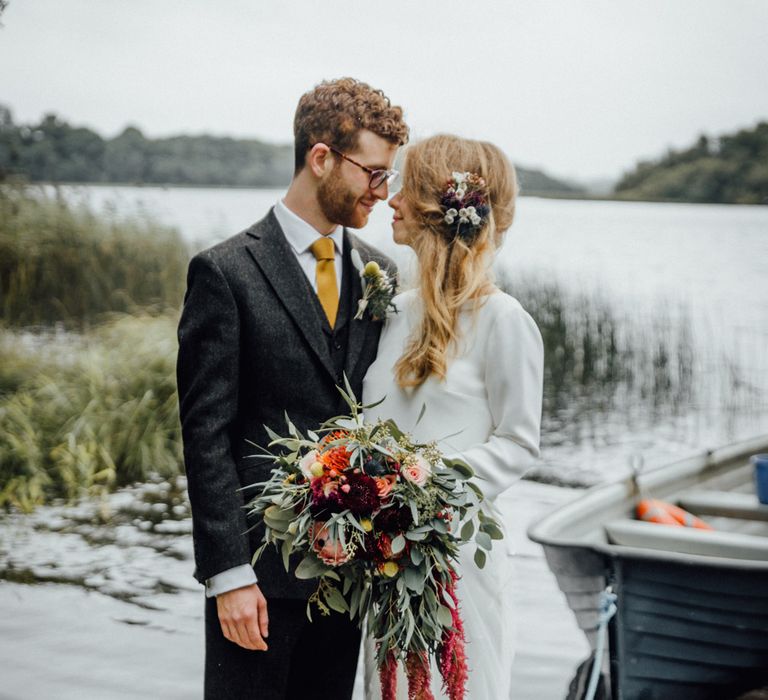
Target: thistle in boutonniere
(378,289)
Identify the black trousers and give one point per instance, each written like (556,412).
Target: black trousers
(305,660)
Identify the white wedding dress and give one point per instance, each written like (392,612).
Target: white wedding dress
(487,411)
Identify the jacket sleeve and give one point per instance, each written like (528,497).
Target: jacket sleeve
(208,384)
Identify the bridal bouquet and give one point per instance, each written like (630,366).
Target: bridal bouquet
(379,520)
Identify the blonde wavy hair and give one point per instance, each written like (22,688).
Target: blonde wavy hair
(452,271)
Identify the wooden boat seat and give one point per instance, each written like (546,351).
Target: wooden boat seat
(726,504)
(685,540)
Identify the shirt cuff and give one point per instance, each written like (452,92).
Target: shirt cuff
(229,580)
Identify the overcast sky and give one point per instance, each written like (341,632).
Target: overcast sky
(581,88)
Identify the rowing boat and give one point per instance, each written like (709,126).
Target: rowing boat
(691,606)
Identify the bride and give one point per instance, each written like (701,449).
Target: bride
(473,356)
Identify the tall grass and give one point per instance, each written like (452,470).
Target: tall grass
(87,412)
(599,363)
(60,263)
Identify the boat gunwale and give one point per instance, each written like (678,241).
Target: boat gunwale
(546,531)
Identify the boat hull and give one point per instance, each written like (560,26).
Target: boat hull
(689,625)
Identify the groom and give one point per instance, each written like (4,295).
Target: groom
(267,329)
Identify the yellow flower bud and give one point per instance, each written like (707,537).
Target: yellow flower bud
(292,527)
(316,469)
(366,524)
(371,269)
(390,569)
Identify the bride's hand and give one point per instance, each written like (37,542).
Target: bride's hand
(243,617)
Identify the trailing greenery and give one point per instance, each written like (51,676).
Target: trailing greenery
(54,151)
(64,263)
(87,413)
(730,169)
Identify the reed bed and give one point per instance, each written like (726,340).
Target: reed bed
(63,263)
(88,412)
(598,363)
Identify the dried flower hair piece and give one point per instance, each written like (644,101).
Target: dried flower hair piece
(465,203)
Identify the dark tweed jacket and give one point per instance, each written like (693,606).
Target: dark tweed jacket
(251,348)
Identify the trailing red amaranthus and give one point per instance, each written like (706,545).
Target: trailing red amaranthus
(388,677)
(452,655)
(419,677)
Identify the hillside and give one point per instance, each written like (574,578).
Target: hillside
(732,168)
(54,151)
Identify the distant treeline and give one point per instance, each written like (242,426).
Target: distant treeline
(730,169)
(54,151)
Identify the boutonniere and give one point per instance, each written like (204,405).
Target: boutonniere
(378,289)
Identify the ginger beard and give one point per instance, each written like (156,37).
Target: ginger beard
(339,203)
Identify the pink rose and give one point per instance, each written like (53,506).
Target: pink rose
(416,470)
(306,462)
(328,549)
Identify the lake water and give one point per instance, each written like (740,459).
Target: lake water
(690,277)
(114,612)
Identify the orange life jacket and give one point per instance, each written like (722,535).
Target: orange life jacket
(653,510)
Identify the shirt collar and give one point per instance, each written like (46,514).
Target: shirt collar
(302,235)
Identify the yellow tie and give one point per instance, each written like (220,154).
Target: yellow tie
(327,290)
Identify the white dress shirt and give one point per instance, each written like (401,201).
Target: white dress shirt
(300,236)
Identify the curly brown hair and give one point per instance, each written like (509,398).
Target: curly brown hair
(335,112)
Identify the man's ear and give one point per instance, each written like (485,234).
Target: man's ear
(319,159)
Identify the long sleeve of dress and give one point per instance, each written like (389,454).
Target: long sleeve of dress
(514,383)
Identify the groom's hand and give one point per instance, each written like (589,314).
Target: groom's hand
(243,617)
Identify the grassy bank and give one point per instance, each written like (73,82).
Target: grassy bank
(85,413)
(60,263)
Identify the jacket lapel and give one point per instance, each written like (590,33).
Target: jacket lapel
(357,329)
(274,256)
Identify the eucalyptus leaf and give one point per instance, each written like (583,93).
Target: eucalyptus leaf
(494,531)
(286,552)
(354,601)
(335,600)
(258,553)
(310,567)
(460,467)
(414,580)
(394,431)
(447,598)
(444,616)
(467,530)
(398,544)
(480,558)
(440,526)
(484,540)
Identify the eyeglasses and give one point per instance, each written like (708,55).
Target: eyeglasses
(377,177)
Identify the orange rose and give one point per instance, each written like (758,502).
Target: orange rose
(384,484)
